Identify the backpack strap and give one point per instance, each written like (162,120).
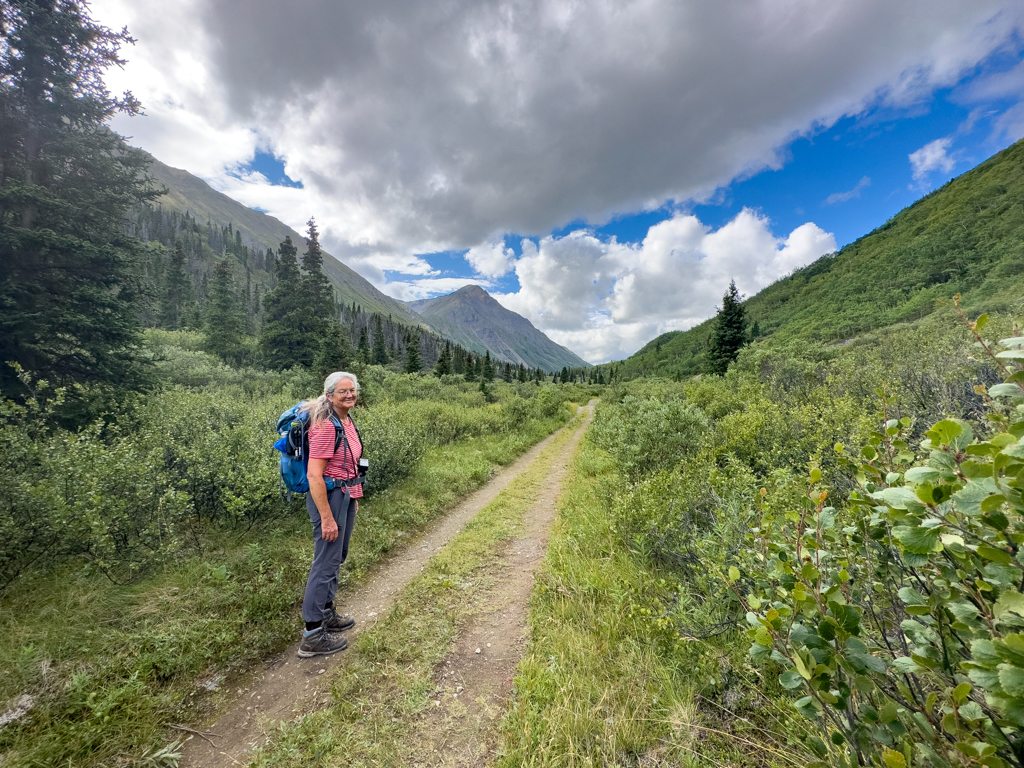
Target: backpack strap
(339,437)
(339,433)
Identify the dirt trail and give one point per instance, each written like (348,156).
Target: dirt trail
(473,683)
(289,686)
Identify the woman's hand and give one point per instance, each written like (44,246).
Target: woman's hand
(328,528)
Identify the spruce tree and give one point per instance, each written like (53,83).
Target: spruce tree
(364,346)
(317,291)
(728,336)
(177,293)
(380,350)
(69,276)
(284,338)
(413,364)
(521,376)
(488,369)
(225,324)
(470,367)
(444,361)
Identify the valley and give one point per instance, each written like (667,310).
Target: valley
(788,535)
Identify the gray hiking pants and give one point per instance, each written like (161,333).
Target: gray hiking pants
(328,556)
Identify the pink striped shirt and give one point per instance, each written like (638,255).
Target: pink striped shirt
(343,463)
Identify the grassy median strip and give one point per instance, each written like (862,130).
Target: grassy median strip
(388,677)
(106,667)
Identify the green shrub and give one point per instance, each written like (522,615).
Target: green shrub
(646,435)
(898,619)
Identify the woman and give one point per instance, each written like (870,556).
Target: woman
(334,452)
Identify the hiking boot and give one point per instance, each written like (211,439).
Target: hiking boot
(321,643)
(337,622)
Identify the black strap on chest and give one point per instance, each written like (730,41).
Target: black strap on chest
(340,437)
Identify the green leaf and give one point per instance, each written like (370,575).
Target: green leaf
(1011,679)
(806,706)
(1013,341)
(897,498)
(1011,354)
(889,712)
(847,616)
(994,554)
(865,661)
(945,432)
(918,540)
(1015,451)
(911,596)
(1010,600)
(922,475)
(969,498)
(961,692)
(907,666)
(1006,390)
(992,503)
(893,759)
(805,673)
(734,574)
(790,679)
(971,711)
(981,322)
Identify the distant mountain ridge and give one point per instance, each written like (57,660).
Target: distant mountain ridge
(474,319)
(190,193)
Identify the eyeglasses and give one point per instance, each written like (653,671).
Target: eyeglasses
(344,391)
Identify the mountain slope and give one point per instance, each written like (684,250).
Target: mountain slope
(966,237)
(189,193)
(475,320)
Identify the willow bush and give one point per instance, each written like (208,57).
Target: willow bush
(898,617)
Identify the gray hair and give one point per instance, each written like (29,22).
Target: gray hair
(321,408)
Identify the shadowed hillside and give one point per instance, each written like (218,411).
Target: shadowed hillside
(187,193)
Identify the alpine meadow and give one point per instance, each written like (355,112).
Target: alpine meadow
(787,535)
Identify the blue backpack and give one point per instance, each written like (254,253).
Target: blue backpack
(293,428)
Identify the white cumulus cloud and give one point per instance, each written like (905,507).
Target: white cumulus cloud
(933,156)
(491,258)
(605,299)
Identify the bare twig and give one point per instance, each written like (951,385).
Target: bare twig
(200,734)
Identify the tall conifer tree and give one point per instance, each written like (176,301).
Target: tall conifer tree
(444,361)
(487,372)
(284,339)
(335,351)
(177,293)
(317,291)
(413,363)
(225,323)
(364,346)
(729,333)
(470,367)
(69,276)
(380,350)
